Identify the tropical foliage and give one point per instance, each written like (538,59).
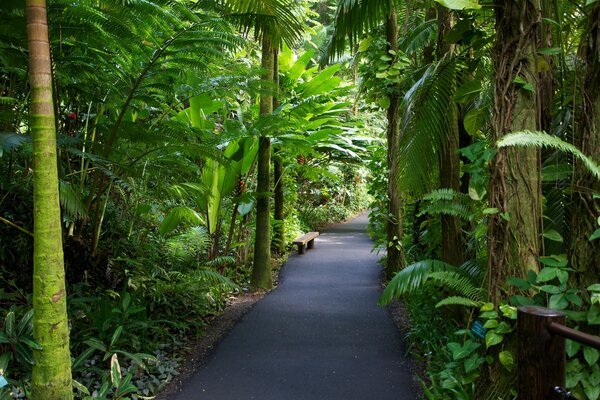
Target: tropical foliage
(196,140)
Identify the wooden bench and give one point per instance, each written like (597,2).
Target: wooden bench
(306,241)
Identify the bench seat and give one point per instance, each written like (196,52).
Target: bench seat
(306,241)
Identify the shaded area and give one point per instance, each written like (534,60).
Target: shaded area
(319,335)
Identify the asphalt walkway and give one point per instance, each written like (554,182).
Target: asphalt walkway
(318,336)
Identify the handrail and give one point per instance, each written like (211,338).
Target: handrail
(541,346)
(574,334)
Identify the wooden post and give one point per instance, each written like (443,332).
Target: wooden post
(311,244)
(541,355)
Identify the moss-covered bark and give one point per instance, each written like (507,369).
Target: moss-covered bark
(584,255)
(514,188)
(395,253)
(51,376)
(261,270)
(451,242)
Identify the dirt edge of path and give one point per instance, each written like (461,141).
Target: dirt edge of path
(197,351)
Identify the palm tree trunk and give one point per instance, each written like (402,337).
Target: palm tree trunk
(514,187)
(261,270)
(395,253)
(451,241)
(583,255)
(51,375)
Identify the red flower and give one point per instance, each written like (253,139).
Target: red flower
(72,115)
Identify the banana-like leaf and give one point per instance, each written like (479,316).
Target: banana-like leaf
(177,215)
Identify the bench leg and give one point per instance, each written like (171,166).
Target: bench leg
(301,249)
(311,244)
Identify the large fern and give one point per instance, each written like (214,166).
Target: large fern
(542,139)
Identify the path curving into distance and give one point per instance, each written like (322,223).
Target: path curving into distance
(320,335)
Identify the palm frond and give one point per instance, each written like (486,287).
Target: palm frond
(458,283)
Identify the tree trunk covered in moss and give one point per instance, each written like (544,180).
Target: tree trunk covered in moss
(584,255)
(514,187)
(278,245)
(451,236)
(395,253)
(51,375)
(261,270)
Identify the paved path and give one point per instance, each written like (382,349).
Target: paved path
(319,336)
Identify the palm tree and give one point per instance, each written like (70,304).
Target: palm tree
(274,22)
(51,376)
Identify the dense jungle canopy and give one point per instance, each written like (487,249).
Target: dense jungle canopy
(160,156)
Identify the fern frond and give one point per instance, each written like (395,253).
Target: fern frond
(220,262)
(412,278)
(214,278)
(458,301)
(459,283)
(542,139)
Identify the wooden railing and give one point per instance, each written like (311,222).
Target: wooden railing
(541,335)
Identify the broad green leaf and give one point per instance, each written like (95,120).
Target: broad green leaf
(591,355)
(508,311)
(487,307)
(460,4)
(467,91)
(558,302)
(550,51)
(507,360)
(116,336)
(553,235)
(595,235)
(547,274)
(299,66)
(492,339)
(177,215)
(594,288)
(490,324)
(322,83)
(384,102)
(555,260)
(459,352)
(473,362)
(503,328)
(520,283)
(572,347)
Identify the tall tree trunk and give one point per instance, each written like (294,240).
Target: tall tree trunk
(261,270)
(514,187)
(278,244)
(451,238)
(51,375)
(585,210)
(395,253)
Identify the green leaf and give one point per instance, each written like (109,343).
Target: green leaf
(595,235)
(9,325)
(547,274)
(572,347)
(593,316)
(299,66)
(467,91)
(490,324)
(459,352)
(487,307)
(473,362)
(384,102)
(551,289)
(31,343)
(553,235)
(594,288)
(558,302)
(115,336)
(83,356)
(492,339)
(322,83)
(503,328)
(542,139)
(559,261)
(460,4)
(507,360)
(520,283)
(549,51)
(176,216)
(508,311)
(591,355)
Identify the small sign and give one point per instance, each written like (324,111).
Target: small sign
(3,381)
(478,329)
